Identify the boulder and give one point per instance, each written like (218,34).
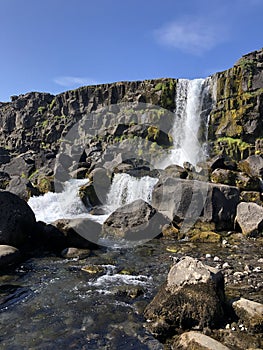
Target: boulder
(252,166)
(21,165)
(198,341)
(250,314)
(17,220)
(193,297)
(8,256)
(224,176)
(250,218)
(79,233)
(134,222)
(191,201)
(248,183)
(22,187)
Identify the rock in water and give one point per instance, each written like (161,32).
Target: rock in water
(17,220)
(134,222)
(192,297)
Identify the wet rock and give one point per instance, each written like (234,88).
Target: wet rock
(250,313)
(196,201)
(94,269)
(198,341)
(69,253)
(133,222)
(250,218)
(8,256)
(192,297)
(79,233)
(17,220)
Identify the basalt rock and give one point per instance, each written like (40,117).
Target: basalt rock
(191,298)
(250,218)
(192,201)
(133,222)
(17,220)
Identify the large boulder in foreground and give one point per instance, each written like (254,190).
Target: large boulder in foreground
(134,222)
(192,201)
(17,220)
(192,298)
(250,218)
(198,341)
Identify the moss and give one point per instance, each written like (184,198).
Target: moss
(235,148)
(52,104)
(41,109)
(45,123)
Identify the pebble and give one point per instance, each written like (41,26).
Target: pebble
(216,258)
(257,269)
(225,265)
(208,256)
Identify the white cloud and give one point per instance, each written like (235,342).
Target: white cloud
(68,81)
(190,34)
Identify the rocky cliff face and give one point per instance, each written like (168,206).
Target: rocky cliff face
(36,123)
(236,120)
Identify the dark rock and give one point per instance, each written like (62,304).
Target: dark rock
(134,222)
(192,298)
(4,180)
(250,218)
(248,183)
(17,220)
(4,156)
(9,256)
(79,233)
(175,171)
(251,196)
(22,187)
(47,236)
(19,166)
(223,176)
(192,201)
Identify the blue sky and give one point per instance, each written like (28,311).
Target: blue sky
(57,45)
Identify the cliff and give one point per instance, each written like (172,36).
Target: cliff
(33,125)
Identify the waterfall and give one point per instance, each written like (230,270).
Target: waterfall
(189,100)
(125,189)
(53,206)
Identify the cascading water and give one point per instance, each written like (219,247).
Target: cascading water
(53,206)
(189,99)
(125,189)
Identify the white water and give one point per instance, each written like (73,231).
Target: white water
(188,99)
(53,206)
(125,189)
